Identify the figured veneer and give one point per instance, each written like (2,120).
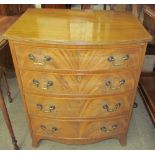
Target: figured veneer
(78,72)
(81,84)
(57,107)
(84,59)
(71,129)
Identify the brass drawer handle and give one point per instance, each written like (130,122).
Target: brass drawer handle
(121,61)
(116,107)
(50,109)
(36,82)
(45,87)
(49,131)
(48,84)
(38,61)
(104,129)
(109,84)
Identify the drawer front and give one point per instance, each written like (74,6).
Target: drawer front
(35,57)
(46,58)
(109,58)
(63,84)
(73,108)
(78,129)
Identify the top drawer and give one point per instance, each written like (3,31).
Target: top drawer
(77,59)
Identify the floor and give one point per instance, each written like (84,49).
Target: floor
(141,135)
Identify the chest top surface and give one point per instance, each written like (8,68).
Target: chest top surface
(77,27)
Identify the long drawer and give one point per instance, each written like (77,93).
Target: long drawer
(44,106)
(57,128)
(77,58)
(84,84)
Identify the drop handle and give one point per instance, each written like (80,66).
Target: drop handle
(46,85)
(36,82)
(49,110)
(108,109)
(118,62)
(32,57)
(110,85)
(48,131)
(106,130)
(39,61)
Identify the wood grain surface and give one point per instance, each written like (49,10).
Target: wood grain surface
(78,81)
(78,85)
(78,58)
(77,27)
(76,108)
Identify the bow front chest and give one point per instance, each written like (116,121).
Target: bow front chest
(78,72)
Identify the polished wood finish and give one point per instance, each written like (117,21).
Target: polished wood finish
(147,90)
(53,6)
(149,24)
(77,108)
(147,79)
(77,75)
(77,27)
(78,85)
(85,6)
(2,9)
(14,9)
(81,59)
(88,129)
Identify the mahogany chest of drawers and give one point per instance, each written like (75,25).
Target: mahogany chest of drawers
(78,72)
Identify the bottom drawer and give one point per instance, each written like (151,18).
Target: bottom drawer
(90,129)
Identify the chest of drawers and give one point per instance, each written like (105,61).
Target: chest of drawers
(77,72)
